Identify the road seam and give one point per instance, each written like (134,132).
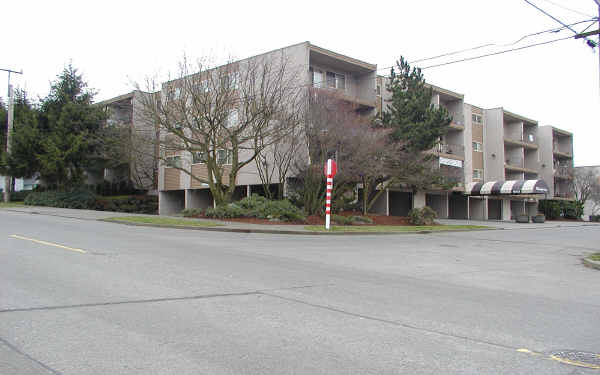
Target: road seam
(20,352)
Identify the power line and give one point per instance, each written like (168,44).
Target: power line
(569,9)
(497,53)
(559,21)
(553,30)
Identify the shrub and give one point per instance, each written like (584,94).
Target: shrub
(19,196)
(191,212)
(141,204)
(342,220)
(422,216)
(351,220)
(81,199)
(362,219)
(259,207)
(595,218)
(226,211)
(554,209)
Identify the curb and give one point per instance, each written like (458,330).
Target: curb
(591,263)
(292,232)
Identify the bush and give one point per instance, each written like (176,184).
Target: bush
(351,220)
(192,212)
(342,220)
(422,216)
(259,207)
(554,209)
(141,204)
(19,196)
(81,199)
(595,218)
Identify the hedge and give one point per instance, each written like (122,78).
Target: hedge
(258,207)
(556,209)
(84,199)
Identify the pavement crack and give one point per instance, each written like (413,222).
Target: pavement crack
(156,300)
(392,322)
(22,353)
(130,302)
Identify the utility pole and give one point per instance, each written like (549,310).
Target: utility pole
(8,179)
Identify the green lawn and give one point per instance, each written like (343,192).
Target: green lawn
(394,228)
(166,221)
(595,257)
(11,204)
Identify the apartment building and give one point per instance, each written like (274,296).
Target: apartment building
(503,163)
(141,164)
(353,80)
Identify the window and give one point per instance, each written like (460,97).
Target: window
(174,161)
(198,158)
(336,81)
(331,79)
(477,147)
(316,77)
(340,81)
(378,89)
(224,157)
(477,174)
(232,119)
(477,118)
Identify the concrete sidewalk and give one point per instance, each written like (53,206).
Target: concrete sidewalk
(274,228)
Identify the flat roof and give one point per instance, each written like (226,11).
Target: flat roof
(116,99)
(446,93)
(327,56)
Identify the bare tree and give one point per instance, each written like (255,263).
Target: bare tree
(222,117)
(276,162)
(585,181)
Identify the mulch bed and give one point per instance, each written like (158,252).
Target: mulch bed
(318,220)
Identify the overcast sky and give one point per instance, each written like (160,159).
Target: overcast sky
(116,42)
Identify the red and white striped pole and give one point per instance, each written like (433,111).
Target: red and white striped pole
(328,194)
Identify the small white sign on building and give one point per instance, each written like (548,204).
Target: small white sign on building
(451,162)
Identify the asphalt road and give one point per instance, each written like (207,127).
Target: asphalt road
(114,299)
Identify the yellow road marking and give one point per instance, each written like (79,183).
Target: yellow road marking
(562,360)
(48,243)
(575,363)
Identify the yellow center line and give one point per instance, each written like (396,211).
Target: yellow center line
(48,243)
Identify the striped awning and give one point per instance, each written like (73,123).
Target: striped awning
(513,187)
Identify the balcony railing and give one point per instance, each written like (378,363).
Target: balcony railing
(563,171)
(449,149)
(514,162)
(556,149)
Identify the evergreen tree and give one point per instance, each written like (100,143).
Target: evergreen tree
(414,120)
(24,138)
(68,123)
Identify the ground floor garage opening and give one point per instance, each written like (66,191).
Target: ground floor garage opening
(439,203)
(198,199)
(477,206)
(495,209)
(171,202)
(400,203)
(517,207)
(458,207)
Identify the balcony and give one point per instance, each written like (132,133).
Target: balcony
(457,123)
(449,151)
(563,172)
(525,141)
(561,153)
(563,195)
(515,164)
(342,94)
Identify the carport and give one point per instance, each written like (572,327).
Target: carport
(400,202)
(500,206)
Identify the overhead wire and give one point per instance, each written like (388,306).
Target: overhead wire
(566,8)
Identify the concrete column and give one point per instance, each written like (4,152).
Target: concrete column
(419,199)
(448,206)
(506,209)
(247,190)
(387,202)
(170,202)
